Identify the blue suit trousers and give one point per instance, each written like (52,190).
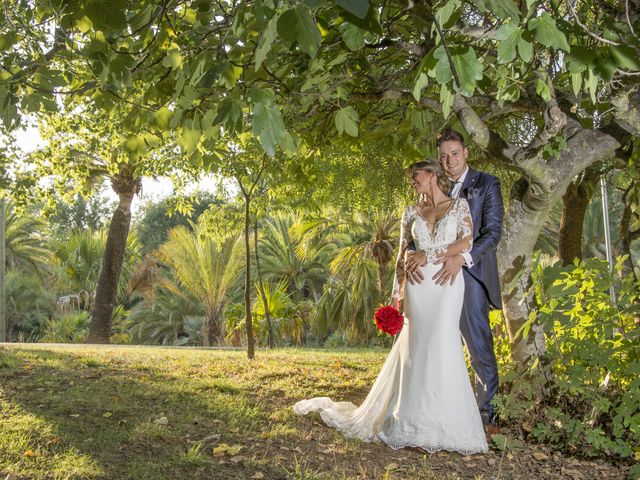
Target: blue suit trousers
(478,337)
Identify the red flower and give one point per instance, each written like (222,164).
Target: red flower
(389,320)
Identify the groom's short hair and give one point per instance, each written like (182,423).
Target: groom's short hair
(449,134)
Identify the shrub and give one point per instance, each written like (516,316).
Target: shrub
(583,394)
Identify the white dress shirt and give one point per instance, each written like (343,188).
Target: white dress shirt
(457,186)
(455,193)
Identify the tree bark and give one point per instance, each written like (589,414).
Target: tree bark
(247,284)
(265,300)
(126,186)
(625,237)
(530,201)
(574,208)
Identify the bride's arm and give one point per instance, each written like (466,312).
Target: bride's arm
(399,277)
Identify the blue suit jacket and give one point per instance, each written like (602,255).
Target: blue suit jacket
(482,191)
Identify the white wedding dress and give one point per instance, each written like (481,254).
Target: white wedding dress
(422,396)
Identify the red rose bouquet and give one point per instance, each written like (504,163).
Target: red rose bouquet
(389,320)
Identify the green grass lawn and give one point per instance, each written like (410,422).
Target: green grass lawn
(88,412)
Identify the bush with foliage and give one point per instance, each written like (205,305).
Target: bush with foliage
(583,394)
(69,328)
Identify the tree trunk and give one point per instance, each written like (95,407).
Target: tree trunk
(3,246)
(574,208)
(265,300)
(100,329)
(529,204)
(247,284)
(213,332)
(625,237)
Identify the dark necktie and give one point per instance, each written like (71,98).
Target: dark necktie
(453,187)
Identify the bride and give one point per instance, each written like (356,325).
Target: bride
(422,396)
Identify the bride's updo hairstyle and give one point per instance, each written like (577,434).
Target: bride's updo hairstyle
(431,166)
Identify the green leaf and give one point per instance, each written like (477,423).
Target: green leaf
(266,41)
(445,15)
(626,57)
(468,67)
(347,121)
(421,82)
(576,83)
(268,126)
(443,67)
(84,24)
(296,24)
(525,46)
(162,117)
(188,138)
(173,58)
(371,23)
(107,14)
(592,84)
(580,58)
(509,35)
(503,8)
(7,40)
(357,7)
(547,33)
(446,100)
(353,37)
(543,90)
(605,64)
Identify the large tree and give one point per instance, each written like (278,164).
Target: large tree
(390,73)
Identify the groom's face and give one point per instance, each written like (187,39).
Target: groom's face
(453,158)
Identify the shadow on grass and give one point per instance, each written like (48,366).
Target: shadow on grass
(65,415)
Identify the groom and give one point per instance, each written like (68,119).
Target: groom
(479,266)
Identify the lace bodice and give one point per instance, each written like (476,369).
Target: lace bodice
(453,227)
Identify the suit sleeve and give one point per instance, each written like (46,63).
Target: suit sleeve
(490,223)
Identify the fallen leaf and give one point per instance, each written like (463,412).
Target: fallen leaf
(234,450)
(238,459)
(224,449)
(392,466)
(540,456)
(29,453)
(74,415)
(257,476)
(162,421)
(107,414)
(491,461)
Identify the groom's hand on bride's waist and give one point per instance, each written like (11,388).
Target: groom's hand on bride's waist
(451,266)
(413,260)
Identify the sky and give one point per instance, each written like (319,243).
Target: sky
(152,189)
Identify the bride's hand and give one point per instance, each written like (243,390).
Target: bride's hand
(413,260)
(395,303)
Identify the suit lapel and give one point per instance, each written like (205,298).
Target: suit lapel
(469,182)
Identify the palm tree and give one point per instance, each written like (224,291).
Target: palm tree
(25,246)
(205,269)
(79,259)
(286,257)
(365,247)
(285,320)
(167,315)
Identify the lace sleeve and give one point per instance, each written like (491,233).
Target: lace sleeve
(405,238)
(464,224)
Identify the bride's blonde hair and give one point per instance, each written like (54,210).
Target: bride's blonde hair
(431,166)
